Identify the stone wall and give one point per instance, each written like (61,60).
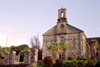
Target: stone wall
(6,58)
(30,56)
(10,58)
(27,57)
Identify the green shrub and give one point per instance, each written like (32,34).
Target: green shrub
(47,61)
(70,58)
(84,59)
(67,64)
(78,58)
(59,63)
(53,62)
(90,63)
(81,63)
(74,63)
(97,64)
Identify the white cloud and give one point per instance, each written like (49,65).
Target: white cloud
(14,31)
(11,42)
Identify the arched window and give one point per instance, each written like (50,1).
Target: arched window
(74,43)
(62,39)
(62,14)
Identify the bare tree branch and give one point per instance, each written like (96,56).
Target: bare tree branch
(35,42)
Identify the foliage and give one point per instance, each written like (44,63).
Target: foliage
(57,47)
(53,62)
(67,64)
(35,43)
(63,46)
(74,63)
(93,43)
(81,63)
(90,63)
(1,54)
(97,64)
(78,58)
(59,63)
(54,47)
(47,61)
(70,58)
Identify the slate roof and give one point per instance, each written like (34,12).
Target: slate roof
(95,38)
(75,28)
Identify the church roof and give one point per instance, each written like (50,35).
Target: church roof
(95,38)
(53,32)
(75,28)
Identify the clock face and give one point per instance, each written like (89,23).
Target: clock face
(62,26)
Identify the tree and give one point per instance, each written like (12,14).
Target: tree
(93,45)
(1,52)
(58,47)
(54,48)
(35,43)
(63,47)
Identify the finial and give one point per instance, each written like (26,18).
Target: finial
(61,6)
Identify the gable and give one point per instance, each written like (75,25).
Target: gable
(52,31)
(72,29)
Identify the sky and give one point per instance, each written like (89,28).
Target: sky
(22,19)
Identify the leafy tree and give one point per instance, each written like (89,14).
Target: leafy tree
(55,48)
(93,45)
(63,47)
(20,49)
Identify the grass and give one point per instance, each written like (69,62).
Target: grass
(71,60)
(21,62)
(40,66)
(66,61)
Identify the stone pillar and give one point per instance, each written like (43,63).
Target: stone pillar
(34,55)
(27,57)
(12,57)
(6,58)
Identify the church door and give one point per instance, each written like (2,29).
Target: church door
(62,56)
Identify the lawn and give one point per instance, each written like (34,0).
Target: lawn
(71,60)
(40,66)
(65,61)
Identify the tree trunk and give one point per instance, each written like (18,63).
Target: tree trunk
(95,56)
(57,55)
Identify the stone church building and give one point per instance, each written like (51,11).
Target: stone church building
(64,32)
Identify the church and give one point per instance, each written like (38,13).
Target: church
(78,43)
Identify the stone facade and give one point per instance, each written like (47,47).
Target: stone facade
(72,36)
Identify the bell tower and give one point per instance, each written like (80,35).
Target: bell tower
(62,15)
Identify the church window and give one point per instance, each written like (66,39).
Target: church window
(62,14)
(74,43)
(62,39)
(62,26)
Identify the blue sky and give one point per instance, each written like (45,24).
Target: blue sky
(22,19)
